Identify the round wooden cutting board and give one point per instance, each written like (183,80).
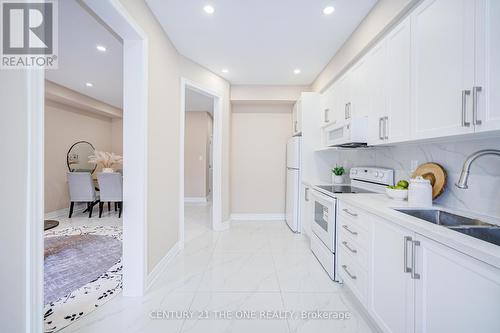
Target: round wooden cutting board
(435,174)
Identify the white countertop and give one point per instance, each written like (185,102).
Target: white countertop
(384,207)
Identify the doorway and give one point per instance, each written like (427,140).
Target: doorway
(199,102)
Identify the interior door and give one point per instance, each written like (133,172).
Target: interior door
(442,67)
(392,288)
(488,65)
(455,293)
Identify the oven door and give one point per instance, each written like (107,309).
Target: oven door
(323,219)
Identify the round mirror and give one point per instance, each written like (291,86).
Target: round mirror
(78,157)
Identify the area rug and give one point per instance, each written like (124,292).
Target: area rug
(83,270)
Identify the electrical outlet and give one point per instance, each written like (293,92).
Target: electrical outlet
(414,165)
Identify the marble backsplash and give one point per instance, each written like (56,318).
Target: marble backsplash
(483,194)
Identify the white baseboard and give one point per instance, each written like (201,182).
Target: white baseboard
(258,217)
(195,200)
(162,265)
(79,207)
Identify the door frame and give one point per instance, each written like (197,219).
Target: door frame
(217,223)
(135,50)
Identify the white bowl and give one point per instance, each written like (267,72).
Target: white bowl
(396,194)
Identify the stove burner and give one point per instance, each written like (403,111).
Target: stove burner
(343,189)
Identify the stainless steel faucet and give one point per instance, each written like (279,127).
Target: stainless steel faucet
(464,176)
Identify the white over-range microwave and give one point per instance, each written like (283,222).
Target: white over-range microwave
(351,133)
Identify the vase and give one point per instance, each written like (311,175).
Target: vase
(107,170)
(338,179)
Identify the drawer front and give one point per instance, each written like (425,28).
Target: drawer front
(353,229)
(357,251)
(354,214)
(353,275)
(325,257)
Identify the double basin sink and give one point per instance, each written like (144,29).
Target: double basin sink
(475,228)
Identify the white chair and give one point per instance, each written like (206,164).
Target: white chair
(111,190)
(81,189)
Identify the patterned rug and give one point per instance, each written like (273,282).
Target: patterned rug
(101,287)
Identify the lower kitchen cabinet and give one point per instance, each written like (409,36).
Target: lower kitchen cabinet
(454,292)
(416,284)
(392,288)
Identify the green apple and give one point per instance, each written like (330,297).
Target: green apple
(403,183)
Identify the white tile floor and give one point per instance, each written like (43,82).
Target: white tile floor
(254,266)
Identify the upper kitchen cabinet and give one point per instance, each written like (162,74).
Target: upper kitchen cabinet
(297,118)
(442,68)
(398,84)
(486,91)
(358,104)
(327,114)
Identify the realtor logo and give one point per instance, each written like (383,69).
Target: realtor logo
(29,34)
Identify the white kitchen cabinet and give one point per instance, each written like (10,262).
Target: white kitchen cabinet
(327,114)
(392,288)
(442,67)
(378,93)
(297,118)
(487,65)
(342,102)
(359,104)
(306,211)
(454,292)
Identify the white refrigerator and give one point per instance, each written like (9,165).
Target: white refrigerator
(293,183)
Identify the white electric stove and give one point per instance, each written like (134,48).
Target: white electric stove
(324,216)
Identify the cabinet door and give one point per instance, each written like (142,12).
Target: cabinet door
(298,126)
(327,115)
(377,123)
(442,67)
(488,65)
(455,293)
(360,94)
(392,289)
(305,209)
(398,83)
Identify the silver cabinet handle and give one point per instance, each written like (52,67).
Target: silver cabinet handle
(465,93)
(414,274)
(326,116)
(349,212)
(345,111)
(349,273)
(355,233)
(475,116)
(406,268)
(380,120)
(386,128)
(295,126)
(349,248)
(306,194)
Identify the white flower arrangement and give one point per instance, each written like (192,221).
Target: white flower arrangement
(107,160)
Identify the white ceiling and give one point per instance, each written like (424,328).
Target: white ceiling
(196,101)
(260,41)
(80,62)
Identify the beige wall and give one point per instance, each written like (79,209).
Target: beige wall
(381,17)
(197,136)
(265,94)
(63,127)
(258,157)
(117,136)
(165,68)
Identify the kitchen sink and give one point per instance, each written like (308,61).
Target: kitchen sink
(472,227)
(487,234)
(443,218)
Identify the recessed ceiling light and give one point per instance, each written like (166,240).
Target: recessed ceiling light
(100,48)
(296,71)
(225,70)
(328,10)
(88,84)
(209,9)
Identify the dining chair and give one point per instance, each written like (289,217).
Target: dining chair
(81,189)
(111,190)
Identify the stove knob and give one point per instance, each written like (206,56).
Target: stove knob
(381,175)
(375,174)
(354,171)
